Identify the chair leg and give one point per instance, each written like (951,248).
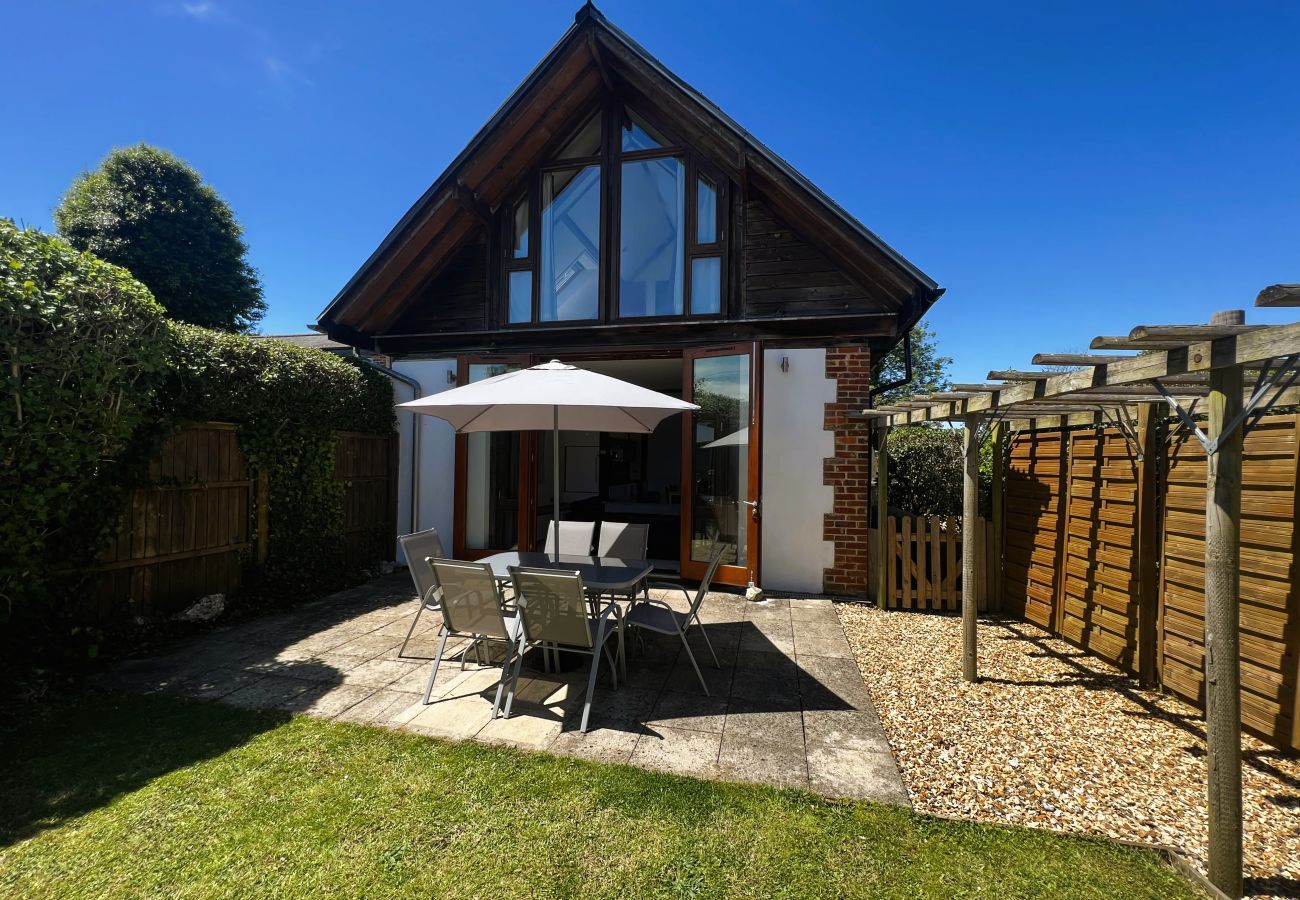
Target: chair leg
(591,680)
(694,664)
(505,676)
(437,661)
(401,651)
(514,677)
(708,643)
(613,665)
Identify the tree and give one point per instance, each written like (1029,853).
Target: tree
(149,212)
(929,369)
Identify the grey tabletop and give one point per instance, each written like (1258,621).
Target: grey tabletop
(599,573)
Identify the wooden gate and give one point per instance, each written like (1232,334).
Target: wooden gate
(367,464)
(923,561)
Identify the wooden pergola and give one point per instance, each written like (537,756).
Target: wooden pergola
(1198,372)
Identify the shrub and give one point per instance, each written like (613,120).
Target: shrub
(926,470)
(148,211)
(96,378)
(85,352)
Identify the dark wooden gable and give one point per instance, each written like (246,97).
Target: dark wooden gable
(793,252)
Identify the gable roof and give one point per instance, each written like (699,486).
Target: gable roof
(592,59)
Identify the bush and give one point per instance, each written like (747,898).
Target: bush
(96,378)
(926,470)
(85,353)
(148,211)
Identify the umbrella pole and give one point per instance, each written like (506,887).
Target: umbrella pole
(555,478)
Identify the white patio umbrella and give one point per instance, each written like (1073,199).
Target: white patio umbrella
(554,397)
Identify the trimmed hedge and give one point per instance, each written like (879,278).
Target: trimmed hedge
(96,378)
(926,471)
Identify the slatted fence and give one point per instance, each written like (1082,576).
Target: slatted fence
(924,562)
(1073,552)
(190,530)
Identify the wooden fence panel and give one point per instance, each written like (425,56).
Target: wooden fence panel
(1034,517)
(189,531)
(183,534)
(367,465)
(923,561)
(1099,584)
(1270,609)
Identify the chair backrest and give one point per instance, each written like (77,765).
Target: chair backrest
(471,603)
(575,538)
(417,548)
(623,540)
(553,606)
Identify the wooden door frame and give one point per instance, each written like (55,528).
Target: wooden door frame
(727,574)
(460,487)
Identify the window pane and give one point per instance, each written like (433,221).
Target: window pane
(570,286)
(585,143)
(706,284)
(520,289)
(653,244)
(520,242)
(720,458)
(640,136)
(706,212)
(492,479)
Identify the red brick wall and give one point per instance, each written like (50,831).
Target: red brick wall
(846,472)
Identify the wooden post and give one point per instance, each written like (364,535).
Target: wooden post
(997,517)
(1222,639)
(882,514)
(1147,546)
(970,514)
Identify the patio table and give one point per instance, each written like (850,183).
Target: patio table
(600,574)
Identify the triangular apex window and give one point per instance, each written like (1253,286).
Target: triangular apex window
(584,143)
(638,135)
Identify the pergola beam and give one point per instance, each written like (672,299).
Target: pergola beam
(1075,359)
(1279,295)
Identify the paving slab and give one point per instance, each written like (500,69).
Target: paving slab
(787,705)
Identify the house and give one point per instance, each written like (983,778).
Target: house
(610,216)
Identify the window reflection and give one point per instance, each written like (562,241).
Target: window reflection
(720,460)
(570,278)
(653,246)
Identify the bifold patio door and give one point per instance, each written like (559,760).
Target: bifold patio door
(720,489)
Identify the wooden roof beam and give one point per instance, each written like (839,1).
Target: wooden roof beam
(1197,358)
(1186,334)
(980,388)
(1018,376)
(1279,295)
(1075,359)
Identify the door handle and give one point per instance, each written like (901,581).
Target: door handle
(753,505)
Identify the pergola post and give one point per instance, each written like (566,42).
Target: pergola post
(882,514)
(970,538)
(1147,546)
(997,513)
(1222,620)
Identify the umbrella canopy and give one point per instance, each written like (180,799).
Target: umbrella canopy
(551,397)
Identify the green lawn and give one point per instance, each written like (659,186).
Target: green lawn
(109,795)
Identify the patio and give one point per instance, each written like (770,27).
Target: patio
(788,707)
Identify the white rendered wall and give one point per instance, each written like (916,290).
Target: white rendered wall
(794,446)
(437,453)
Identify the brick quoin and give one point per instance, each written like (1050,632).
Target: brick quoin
(846,472)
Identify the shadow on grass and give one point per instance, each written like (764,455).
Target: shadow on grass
(72,756)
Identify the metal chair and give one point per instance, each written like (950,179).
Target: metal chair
(472,606)
(659,617)
(553,607)
(623,540)
(418,548)
(575,538)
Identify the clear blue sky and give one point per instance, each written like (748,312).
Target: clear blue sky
(1064,169)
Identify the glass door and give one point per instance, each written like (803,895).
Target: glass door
(720,464)
(488,489)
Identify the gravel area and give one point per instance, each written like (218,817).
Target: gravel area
(1053,738)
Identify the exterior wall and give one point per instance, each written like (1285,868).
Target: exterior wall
(846,471)
(435,507)
(795,502)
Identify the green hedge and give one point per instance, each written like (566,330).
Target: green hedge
(926,470)
(95,380)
